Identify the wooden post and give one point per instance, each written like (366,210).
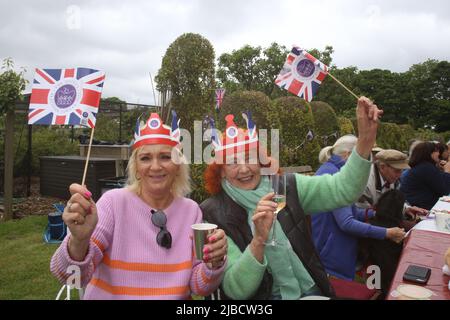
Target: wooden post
(9,164)
(29,158)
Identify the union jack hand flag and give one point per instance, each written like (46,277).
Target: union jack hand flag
(65,96)
(219,97)
(302,74)
(175,126)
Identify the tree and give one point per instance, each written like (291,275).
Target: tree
(331,92)
(326,124)
(241,68)
(188,72)
(389,91)
(440,101)
(254,101)
(296,120)
(254,69)
(323,56)
(345,126)
(11,86)
(418,82)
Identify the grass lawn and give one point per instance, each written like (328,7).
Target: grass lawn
(25,260)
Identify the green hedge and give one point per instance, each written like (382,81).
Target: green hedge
(394,136)
(326,124)
(296,119)
(236,103)
(198,193)
(46,141)
(345,126)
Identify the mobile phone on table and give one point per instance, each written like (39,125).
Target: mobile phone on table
(417,274)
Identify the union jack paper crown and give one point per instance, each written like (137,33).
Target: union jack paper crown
(235,139)
(155,132)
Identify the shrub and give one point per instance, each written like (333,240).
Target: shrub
(198,193)
(390,137)
(345,126)
(296,120)
(327,128)
(236,103)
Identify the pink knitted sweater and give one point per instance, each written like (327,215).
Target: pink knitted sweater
(125,262)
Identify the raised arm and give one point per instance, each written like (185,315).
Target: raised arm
(87,240)
(326,192)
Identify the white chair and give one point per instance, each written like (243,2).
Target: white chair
(68,291)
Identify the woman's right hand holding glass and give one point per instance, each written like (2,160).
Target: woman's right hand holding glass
(263,217)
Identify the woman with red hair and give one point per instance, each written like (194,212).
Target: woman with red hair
(241,204)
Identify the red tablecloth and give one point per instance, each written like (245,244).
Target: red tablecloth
(425,248)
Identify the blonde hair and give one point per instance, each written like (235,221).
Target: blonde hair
(182,184)
(342,145)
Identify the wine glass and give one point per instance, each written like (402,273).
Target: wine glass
(278,184)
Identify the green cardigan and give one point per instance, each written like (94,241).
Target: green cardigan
(244,273)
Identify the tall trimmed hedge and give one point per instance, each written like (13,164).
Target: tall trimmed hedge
(391,136)
(296,119)
(198,193)
(326,123)
(237,102)
(345,126)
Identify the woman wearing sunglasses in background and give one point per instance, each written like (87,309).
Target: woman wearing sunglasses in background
(136,242)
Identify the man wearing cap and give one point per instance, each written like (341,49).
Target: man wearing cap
(375,150)
(385,175)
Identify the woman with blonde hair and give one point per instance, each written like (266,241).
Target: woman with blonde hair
(136,242)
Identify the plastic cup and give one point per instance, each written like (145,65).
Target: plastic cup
(442,221)
(201,233)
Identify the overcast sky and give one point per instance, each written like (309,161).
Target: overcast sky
(127,39)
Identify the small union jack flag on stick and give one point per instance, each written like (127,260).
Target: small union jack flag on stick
(302,74)
(66,97)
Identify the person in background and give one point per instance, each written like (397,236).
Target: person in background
(336,232)
(242,204)
(443,155)
(135,242)
(412,145)
(425,183)
(375,150)
(381,252)
(384,175)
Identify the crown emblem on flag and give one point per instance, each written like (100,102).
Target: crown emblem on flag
(234,139)
(154,131)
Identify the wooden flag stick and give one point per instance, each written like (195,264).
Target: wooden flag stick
(350,91)
(87,157)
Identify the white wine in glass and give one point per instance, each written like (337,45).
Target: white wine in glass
(280,200)
(278,183)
